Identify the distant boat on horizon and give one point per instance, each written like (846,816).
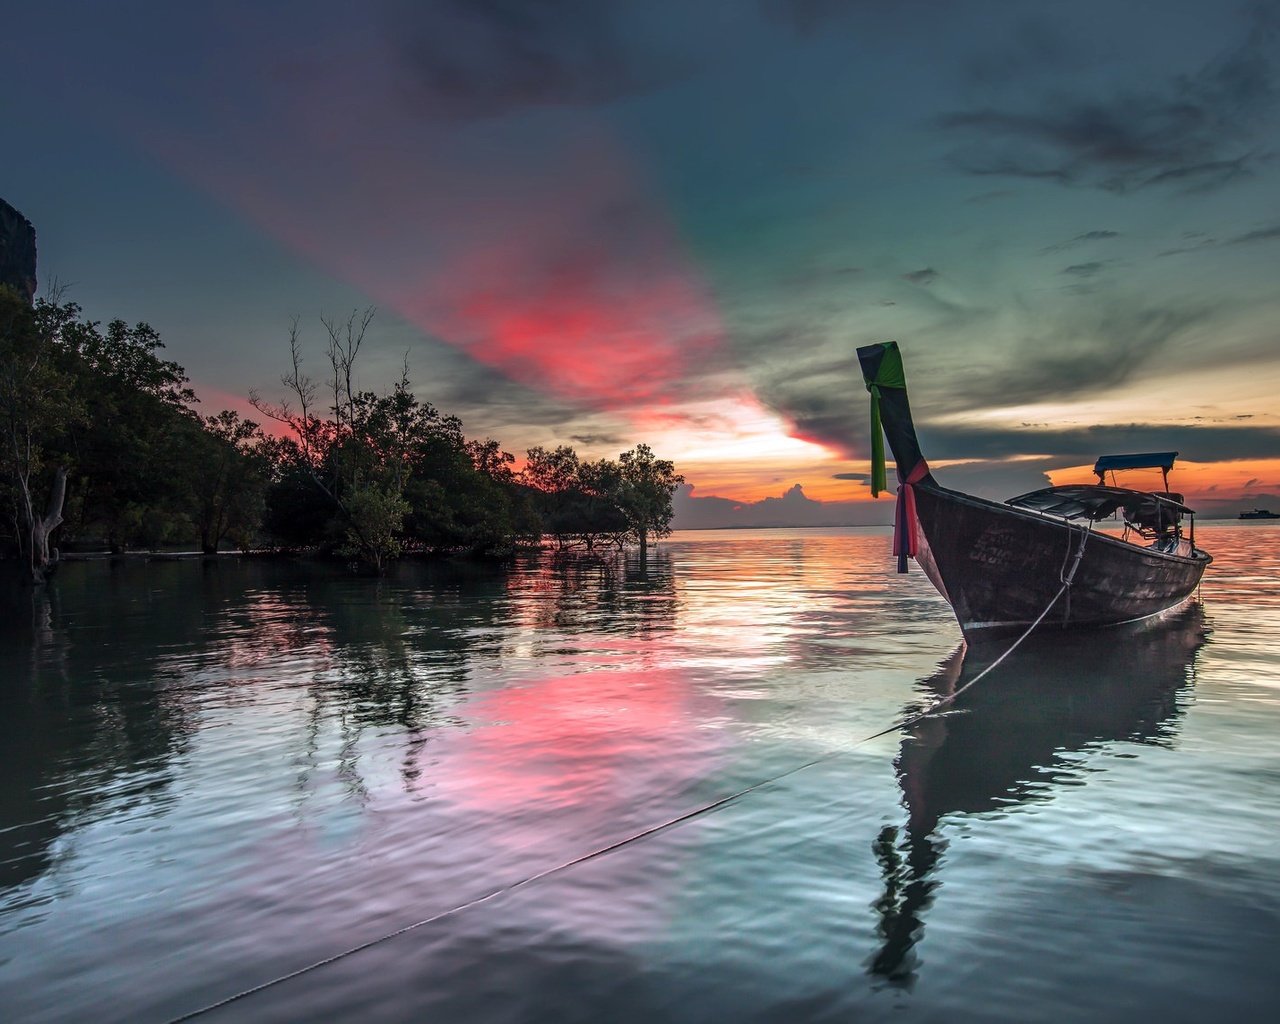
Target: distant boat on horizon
(1005,566)
(1260,513)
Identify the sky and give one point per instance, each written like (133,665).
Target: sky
(603,223)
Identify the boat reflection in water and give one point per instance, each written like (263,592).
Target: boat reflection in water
(1006,745)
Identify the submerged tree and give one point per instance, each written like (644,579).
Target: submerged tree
(645,495)
(37,407)
(355,459)
(553,476)
(605,501)
(392,471)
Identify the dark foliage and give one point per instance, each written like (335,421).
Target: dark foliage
(97,419)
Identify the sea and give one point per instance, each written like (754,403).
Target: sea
(590,789)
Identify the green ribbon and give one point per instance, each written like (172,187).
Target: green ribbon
(878,479)
(889,375)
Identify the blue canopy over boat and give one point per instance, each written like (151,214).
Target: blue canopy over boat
(1143,460)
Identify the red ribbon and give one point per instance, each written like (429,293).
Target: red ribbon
(905,513)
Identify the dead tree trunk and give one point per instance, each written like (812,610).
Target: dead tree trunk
(43,559)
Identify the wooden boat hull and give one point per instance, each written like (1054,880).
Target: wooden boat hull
(1000,567)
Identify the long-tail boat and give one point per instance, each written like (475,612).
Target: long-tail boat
(1006,566)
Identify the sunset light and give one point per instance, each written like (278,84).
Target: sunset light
(573,511)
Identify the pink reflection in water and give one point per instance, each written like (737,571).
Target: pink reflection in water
(559,767)
(584,742)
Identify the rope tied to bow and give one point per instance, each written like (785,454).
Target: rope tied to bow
(905,524)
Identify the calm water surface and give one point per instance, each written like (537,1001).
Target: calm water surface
(214,775)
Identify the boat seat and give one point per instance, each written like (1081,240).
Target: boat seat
(1152,517)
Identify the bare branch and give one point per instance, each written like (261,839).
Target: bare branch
(345,341)
(55,290)
(280,412)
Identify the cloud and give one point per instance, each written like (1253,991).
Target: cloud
(805,371)
(1099,346)
(483,58)
(1088,236)
(596,440)
(818,276)
(812,387)
(1077,445)
(1084,269)
(1230,508)
(1202,243)
(792,508)
(862,477)
(1195,132)
(998,478)
(1267,234)
(924,276)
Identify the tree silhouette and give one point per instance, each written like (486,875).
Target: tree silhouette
(645,496)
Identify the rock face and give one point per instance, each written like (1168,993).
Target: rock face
(17,252)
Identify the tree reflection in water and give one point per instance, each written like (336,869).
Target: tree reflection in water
(81,720)
(109,673)
(1008,743)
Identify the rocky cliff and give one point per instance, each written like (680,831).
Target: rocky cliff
(17,252)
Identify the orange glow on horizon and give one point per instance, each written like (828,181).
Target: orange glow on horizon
(736,448)
(1197,481)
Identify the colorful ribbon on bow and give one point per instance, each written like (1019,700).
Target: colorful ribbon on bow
(888,375)
(905,539)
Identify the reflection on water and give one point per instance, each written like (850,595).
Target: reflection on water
(76,728)
(216,773)
(1011,739)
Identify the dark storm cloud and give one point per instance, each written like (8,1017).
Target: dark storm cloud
(475,391)
(1075,446)
(1096,348)
(478,58)
(1081,350)
(1194,132)
(819,395)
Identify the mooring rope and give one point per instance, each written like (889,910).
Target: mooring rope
(652,829)
(1067,579)
(512,886)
